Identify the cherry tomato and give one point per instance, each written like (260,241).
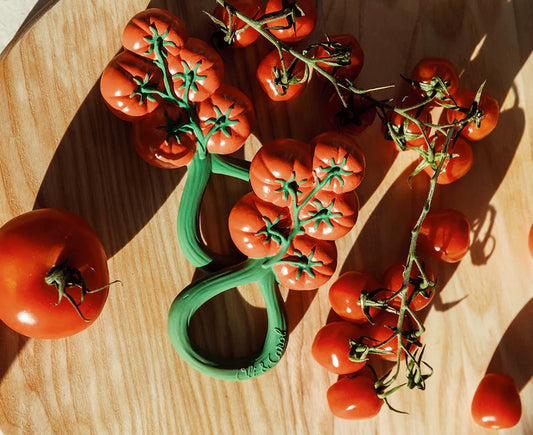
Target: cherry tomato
(407,129)
(381,331)
(393,280)
(456,167)
(226,117)
(59,247)
(445,235)
(354,398)
(257,227)
(426,73)
(490,112)
(354,118)
(338,154)
(152,28)
(331,347)
(241,34)
(280,86)
(496,402)
(329,49)
(345,292)
(308,263)
(126,83)
(292,29)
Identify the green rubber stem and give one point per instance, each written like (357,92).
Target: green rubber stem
(231,166)
(201,291)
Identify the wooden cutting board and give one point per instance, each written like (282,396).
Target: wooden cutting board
(61,147)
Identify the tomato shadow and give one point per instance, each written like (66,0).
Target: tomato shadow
(11,343)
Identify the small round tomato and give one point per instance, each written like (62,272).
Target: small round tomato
(354,398)
(258,228)
(393,280)
(427,73)
(457,166)
(126,83)
(162,139)
(488,111)
(407,130)
(53,274)
(308,263)
(226,119)
(279,83)
(445,235)
(354,118)
(339,160)
(331,347)
(332,47)
(380,332)
(298,25)
(238,33)
(345,293)
(153,28)
(496,403)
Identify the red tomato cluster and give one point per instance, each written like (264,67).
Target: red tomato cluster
(171,87)
(303,200)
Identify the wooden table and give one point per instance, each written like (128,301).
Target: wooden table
(61,147)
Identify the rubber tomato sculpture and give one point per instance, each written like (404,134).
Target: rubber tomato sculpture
(53,274)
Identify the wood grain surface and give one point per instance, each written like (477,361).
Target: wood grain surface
(61,147)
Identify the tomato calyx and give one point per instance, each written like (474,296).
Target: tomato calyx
(436,88)
(158,42)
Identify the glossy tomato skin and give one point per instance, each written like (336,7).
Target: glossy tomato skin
(445,235)
(380,331)
(354,398)
(32,244)
(393,280)
(138,34)
(357,57)
(331,347)
(456,167)
(303,25)
(430,67)
(354,118)
(250,8)
(496,403)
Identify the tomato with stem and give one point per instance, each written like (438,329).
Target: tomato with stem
(354,398)
(435,77)
(237,32)
(420,290)
(342,56)
(299,22)
(408,132)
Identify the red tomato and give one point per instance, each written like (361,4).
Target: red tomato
(456,167)
(354,118)
(489,114)
(154,28)
(408,130)
(292,29)
(393,280)
(345,292)
(426,72)
(496,402)
(354,398)
(445,235)
(331,347)
(161,139)
(329,215)
(280,168)
(330,49)
(258,228)
(338,157)
(240,34)
(125,85)
(381,331)
(60,247)
(308,263)
(277,85)
(226,117)
(197,70)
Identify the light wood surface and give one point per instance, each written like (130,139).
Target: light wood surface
(61,147)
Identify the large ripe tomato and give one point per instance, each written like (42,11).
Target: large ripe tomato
(445,235)
(153,28)
(426,73)
(295,28)
(330,48)
(489,114)
(393,280)
(338,158)
(331,347)
(381,331)
(354,118)
(125,85)
(329,215)
(496,403)
(456,167)
(227,117)
(345,293)
(241,35)
(277,85)
(354,398)
(280,169)
(161,139)
(258,228)
(35,247)
(308,263)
